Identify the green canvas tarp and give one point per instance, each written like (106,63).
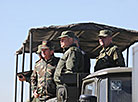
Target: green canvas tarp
(87,34)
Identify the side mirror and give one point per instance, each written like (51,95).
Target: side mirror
(88,98)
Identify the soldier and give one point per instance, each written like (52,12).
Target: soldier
(72,60)
(27,77)
(109,56)
(42,82)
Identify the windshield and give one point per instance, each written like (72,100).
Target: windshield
(120,90)
(90,88)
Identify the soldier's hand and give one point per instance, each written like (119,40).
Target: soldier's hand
(36,95)
(22,78)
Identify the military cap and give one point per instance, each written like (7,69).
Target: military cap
(67,34)
(46,44)
(105,33)
(39,49)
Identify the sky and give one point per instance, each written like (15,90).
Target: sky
(18,16)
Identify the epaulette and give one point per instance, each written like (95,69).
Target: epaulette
(73,48)
(114,48)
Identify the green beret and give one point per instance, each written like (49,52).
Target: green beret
(46,44)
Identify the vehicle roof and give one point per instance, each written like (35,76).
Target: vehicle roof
(109,71)
(87,34)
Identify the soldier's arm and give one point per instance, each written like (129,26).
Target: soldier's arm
(72,62)
(27,78)
(59,69)
(118,57)
(34,80)
(57,74)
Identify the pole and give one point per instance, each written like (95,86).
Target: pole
(16,78)
(22,85)
(127,56)
(31,46)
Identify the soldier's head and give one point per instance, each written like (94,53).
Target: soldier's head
(47,49)
(66,39)
(105,37)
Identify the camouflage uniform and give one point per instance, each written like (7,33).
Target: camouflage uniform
(42,78)
(72,61)
(109,56)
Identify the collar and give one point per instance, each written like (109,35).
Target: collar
(50,61)
(72,45)
(105,49)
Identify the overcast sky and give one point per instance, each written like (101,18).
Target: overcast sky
(18,16)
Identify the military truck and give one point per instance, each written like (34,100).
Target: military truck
(108,85)
(110,82)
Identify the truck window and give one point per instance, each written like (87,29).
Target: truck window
(90,88)
(120,90)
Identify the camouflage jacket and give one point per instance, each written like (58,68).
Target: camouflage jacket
(109,57)
(72,61)
(42,77)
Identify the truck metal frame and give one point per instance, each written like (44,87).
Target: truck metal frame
(87,34)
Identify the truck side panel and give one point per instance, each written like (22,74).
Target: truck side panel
(135,75)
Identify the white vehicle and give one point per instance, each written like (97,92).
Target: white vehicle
(135,74)
(108,85)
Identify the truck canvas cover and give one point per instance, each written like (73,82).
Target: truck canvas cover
(87,34)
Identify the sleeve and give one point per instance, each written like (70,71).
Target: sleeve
(72,62)
(27,79)
(34,79)
(28,76)
(58,71)
(118,57)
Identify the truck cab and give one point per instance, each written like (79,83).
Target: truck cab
(108,85)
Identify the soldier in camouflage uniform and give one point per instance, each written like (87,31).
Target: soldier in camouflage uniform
(42,82)
(109,56)
(72,60)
